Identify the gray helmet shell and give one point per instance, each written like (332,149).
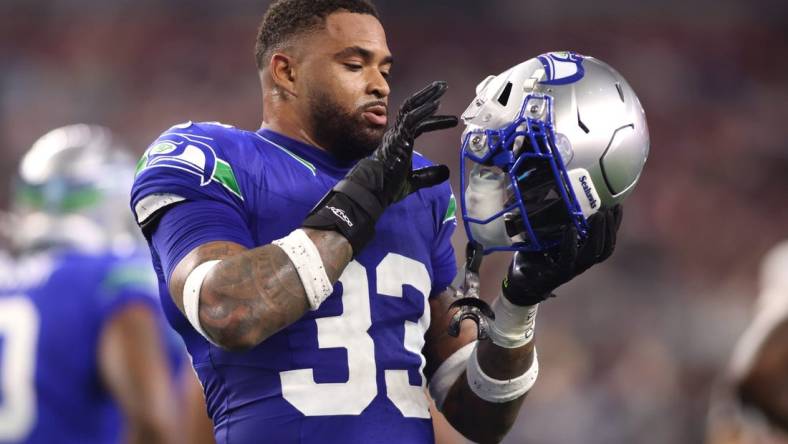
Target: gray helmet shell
(598,119)
(596,138)
(72,191)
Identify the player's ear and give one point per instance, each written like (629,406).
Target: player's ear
(283,73)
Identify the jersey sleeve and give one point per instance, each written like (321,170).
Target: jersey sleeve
(124,283)
(188,162)
(194,223)
(187,192)
(444,264)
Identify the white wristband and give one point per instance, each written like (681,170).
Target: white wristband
(495,390)
(514,324)
(448,373)
(306,258)
(191,295)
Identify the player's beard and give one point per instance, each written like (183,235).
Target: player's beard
(346,135)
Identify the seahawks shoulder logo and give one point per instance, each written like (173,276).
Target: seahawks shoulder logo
(562,68)
(192,154)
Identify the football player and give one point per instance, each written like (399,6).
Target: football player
(307,264)
(84,356)
(750,404)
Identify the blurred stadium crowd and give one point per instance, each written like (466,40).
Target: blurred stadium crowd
(629,352)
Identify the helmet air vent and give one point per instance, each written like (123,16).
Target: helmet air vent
(620,92)
(503,99)
(581,124)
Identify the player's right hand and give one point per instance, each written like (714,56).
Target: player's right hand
(354,205)
(533,276)
(395,154)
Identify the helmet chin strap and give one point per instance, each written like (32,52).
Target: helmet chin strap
(470,305)
(484,197)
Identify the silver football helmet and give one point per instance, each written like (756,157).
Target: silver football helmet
(548,143)
(72,191)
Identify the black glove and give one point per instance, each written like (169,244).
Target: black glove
(533,276)
(354,205)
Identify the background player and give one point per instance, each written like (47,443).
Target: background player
(247,262)
(750,403)
(84,354)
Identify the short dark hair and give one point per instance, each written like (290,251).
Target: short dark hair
(286,18)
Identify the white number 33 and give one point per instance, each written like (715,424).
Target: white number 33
(349,331)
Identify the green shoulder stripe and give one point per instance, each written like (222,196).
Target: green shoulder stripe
(451,210)
(141,164)
(224,175)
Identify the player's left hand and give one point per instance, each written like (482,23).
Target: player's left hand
(533,276)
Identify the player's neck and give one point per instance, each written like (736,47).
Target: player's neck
(287,124)
(293,132)
(282,117)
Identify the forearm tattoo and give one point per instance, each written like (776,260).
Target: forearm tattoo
(253,294)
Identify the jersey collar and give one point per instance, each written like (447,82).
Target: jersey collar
(323,159)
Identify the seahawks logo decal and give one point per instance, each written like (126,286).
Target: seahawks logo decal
(190,153)
(562,68)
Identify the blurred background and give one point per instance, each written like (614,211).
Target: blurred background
(628,352)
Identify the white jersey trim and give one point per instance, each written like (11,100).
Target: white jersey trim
(149,205)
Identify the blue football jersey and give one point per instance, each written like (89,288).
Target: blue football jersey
(52,310)
(350,371)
